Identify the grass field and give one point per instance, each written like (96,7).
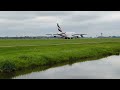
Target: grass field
(21,54)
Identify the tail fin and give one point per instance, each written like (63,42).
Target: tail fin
(59,29)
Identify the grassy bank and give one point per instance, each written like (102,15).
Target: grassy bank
(17,55)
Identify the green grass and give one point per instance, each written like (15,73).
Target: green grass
(19,54)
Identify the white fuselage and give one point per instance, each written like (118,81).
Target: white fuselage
(67,34)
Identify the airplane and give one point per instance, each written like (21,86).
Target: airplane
(66,35)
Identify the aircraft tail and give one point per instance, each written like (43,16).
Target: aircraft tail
(59,29)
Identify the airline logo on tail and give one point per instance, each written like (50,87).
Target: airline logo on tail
(59,27)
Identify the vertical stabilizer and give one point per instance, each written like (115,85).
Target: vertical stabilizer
(59,29)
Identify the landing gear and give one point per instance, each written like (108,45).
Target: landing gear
(68,38)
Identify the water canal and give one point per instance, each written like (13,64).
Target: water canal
(105,68)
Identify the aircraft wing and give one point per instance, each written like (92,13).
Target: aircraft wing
(54,35)
(80,34)
(49,34)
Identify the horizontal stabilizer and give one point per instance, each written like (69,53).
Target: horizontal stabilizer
(52,34)
(55,34)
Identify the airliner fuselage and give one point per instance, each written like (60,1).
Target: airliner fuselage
(67,35)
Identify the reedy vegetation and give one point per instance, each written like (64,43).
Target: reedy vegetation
(21,54)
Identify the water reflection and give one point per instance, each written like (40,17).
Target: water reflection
(103,68)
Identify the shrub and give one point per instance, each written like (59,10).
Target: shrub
(7,66)
(25,57)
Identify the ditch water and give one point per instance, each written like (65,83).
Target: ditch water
(105,68)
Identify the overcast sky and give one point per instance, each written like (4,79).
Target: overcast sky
(36,23)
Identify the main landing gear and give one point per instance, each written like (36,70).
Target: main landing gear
(68,38)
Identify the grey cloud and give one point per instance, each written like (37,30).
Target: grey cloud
(21,15)
(41,22)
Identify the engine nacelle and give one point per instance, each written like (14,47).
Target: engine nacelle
(77,36)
